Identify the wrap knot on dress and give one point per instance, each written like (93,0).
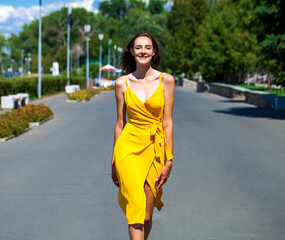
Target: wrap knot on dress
(140,153)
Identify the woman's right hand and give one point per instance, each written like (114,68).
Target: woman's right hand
(114,175)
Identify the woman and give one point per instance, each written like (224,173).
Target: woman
(142,156)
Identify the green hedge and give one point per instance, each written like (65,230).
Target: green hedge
(16,121)
(50,85)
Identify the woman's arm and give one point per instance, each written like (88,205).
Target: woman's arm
(168,84)
(120,87)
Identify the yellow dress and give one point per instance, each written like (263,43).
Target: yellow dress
(140,153)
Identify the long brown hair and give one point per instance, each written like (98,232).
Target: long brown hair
(128,61)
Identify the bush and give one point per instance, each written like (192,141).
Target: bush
(33,113)
(18,120)
(93,90)
(109,88)
(83,95)
(79,95)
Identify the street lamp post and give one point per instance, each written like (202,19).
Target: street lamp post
(87,29)
(100,36)
(109,51)
(114,56)
(40,52)
(78,57)
(68,45)
(109,55)
(120,50)
(26,65)
(29,60)
(71,61)
(22,64)
(12,67)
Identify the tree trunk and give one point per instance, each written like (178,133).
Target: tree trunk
(269,81)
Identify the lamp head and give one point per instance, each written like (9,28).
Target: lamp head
(87,28)
(100,36)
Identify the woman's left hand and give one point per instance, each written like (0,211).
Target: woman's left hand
(164,174)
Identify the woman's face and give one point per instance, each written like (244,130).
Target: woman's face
(143,50)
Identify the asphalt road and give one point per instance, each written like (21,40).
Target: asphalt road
(227,182)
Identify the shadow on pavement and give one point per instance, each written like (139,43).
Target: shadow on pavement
(233,101)
(253,113)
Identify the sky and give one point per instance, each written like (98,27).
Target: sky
(15,13)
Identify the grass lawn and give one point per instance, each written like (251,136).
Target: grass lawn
(278,92)
(33,99)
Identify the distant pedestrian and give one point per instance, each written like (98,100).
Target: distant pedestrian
(142,156)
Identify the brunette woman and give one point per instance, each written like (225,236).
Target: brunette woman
(143,146)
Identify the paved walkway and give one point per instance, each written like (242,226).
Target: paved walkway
(227,183)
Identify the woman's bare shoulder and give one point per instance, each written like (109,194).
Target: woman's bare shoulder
(120,82)
(167,79)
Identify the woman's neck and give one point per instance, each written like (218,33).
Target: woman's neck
(142,71)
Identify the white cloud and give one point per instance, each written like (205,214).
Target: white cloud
(11,26)
(87,4)
(96,11)
(15,17)
(7,35)
(5,12)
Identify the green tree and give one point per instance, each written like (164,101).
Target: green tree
(226,44)
(47,63)
(113,8)
(183,22)
(156,6)
(93,70)
(2,55)
(15,44)
(60,57)
(54,36)
(28,38)
(137,4)
(271,16)
(34,63)
(55,27)
(54,33)
(2,41)
(119,8)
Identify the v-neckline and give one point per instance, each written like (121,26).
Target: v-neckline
(148,97)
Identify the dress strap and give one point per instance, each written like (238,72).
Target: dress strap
(126,80)
(160,78)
